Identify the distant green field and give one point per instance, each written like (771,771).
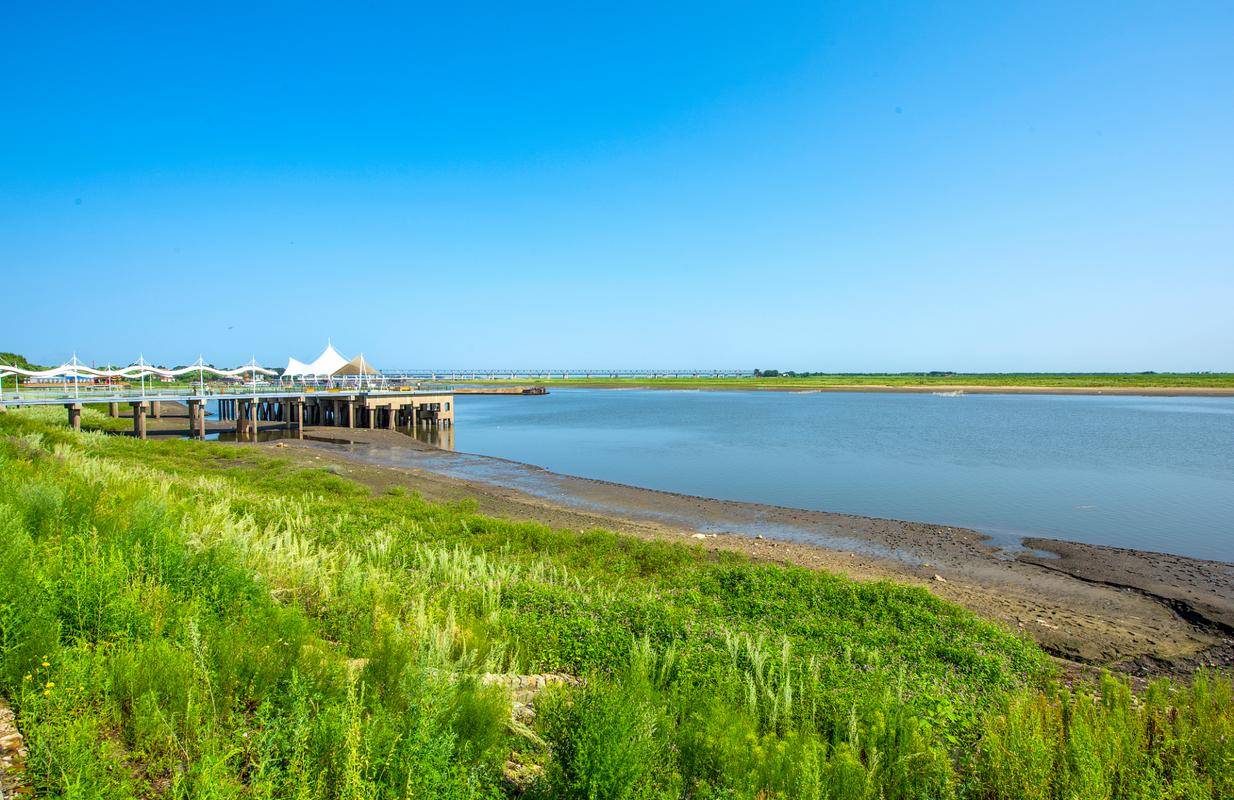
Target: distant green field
(1052,380)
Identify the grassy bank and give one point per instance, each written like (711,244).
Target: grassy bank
(189,619)
(1046,380)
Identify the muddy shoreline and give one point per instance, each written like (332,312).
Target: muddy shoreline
(1090,606)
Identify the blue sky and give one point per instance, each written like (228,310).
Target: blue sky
(862,186)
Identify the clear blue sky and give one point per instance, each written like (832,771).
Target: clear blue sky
(859,186)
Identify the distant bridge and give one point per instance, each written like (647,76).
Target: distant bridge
(559,374)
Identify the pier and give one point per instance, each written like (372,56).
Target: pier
(332,392)
(369,408)
(361,409)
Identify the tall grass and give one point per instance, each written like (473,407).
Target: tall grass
(185,619)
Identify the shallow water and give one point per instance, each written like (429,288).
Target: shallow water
(1146,473)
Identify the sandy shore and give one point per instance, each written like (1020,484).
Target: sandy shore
(1143,613)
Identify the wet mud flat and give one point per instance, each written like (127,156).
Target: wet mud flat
(1144,613)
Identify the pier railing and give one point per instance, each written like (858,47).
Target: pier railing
(93,393)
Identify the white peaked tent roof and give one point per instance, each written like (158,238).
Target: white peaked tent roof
(328,363)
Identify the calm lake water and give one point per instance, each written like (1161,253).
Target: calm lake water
(1148,473)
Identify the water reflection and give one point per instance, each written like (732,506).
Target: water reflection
(442,438)
(262,436)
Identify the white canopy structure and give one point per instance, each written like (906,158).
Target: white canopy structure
(325,365)
(75,368)
(329,365)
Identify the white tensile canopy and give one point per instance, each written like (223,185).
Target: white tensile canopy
(329,362)
(74,369)
(327,365)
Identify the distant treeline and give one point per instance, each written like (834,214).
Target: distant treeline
(18,360)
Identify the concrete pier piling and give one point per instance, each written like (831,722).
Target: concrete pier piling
(74,415)
(197,419)
(295,416)
(140,408)
(377,410)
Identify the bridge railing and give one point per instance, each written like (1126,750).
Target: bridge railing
(559,374)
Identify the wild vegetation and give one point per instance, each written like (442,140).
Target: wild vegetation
(94,417)
(197,620)
(815,380)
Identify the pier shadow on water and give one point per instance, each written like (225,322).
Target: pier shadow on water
(441,438)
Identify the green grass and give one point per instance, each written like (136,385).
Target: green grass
(94,417)
(1094,380)
(187,619)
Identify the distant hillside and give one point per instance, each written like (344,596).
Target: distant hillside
(17,360)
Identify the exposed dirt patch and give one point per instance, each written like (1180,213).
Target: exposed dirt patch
(12,756)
